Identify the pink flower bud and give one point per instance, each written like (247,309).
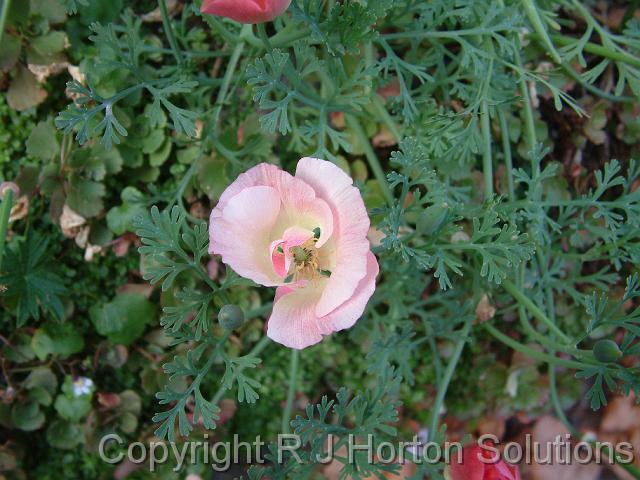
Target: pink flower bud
(9,185)
(246,11)
(481,463)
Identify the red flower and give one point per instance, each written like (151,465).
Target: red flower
(480,463)
(246,11)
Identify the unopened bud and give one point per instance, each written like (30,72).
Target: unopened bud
(231,317)
(606,351)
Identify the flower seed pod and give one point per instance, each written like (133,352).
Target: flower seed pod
(606,351)
(431,219)
(231,317)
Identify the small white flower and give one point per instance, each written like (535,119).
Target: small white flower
(82,386)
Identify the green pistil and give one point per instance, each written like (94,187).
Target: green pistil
(300,255)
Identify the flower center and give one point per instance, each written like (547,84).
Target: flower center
(295,256)
(305,260)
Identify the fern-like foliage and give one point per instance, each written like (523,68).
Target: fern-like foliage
(173,247)
(370,414)
(92,115)
(72,5)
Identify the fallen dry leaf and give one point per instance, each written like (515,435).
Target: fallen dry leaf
(384,138)
(121,244)
(198,210)
(547,429)
(375,236)
(20,209)
(76,73)
(337,120)
(70,221)
(91,251)
(42,72)
(485,311)
(155,16)
(621,415)
(82,236)
(391,89)
(108,400)
(144,289)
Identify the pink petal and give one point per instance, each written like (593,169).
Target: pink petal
(292,237)
(346,315)
(293,322)
(350,225)
(278,260)
(246,11)
(240,233)
(301,207)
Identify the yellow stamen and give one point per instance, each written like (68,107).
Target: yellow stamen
(305,261)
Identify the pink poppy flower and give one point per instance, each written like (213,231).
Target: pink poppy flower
(304,234)
(479,464)
(246,11)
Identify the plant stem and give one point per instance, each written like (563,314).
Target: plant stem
(533,15)
(443,385)
(372,158)
(436,358)
(168,28)
(595,90)
(555,400)
(523,300)
(506,148)
(385,117)
(532,352)
(222,30)
(293,377)
(453,34)
(287,36)
(190,53)
(257,312)
(584,355)
(228,75)
(530,129)
(368,63)
(262,34)
(6,5)
(487,160)
(222,94)
(596,49)
(5,213)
